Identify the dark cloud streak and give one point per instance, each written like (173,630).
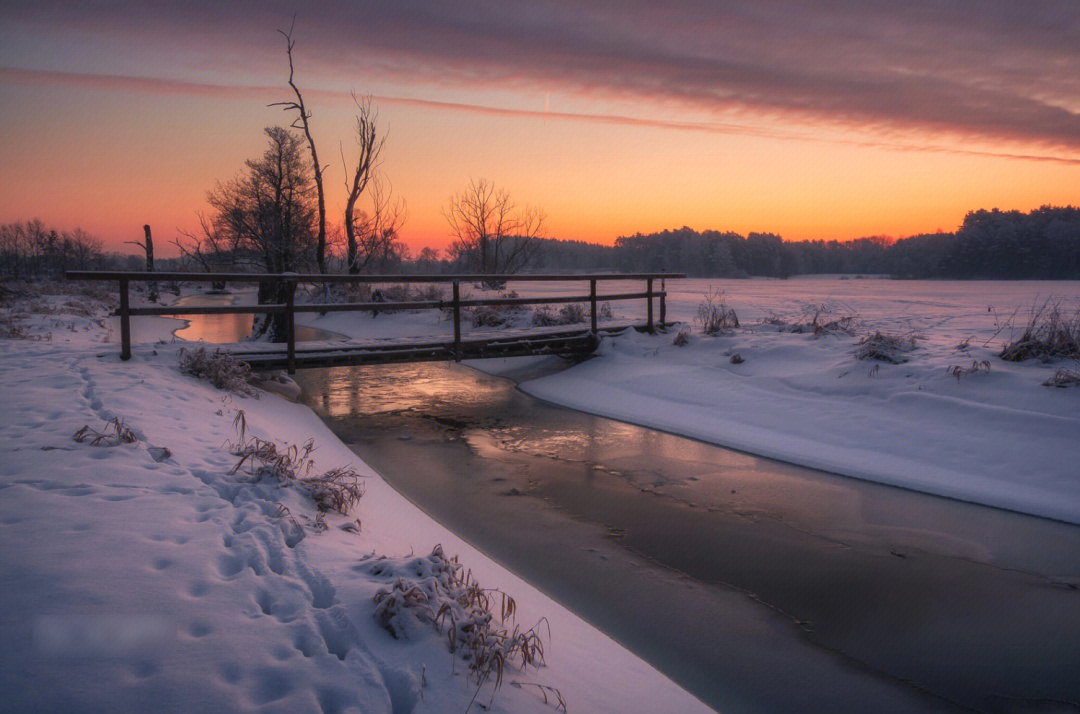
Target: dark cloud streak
(171,87)
(997,69)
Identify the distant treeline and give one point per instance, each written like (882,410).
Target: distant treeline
(1000,245)
(32,250)
(1043,244)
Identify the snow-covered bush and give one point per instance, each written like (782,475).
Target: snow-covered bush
(338,489)
(714,315)
(886,346)
(478,623)
(1064,378)
(816,320)
(222,370)
(682,337)
(568,314)
(1051,333)
(494,315)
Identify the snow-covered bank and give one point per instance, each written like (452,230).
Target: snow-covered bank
(995,437)
(136,579)
(991,435)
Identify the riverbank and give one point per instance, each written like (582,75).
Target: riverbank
(950,418)
(147,575)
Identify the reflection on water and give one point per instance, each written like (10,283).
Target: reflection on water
(222,329)
(584,506)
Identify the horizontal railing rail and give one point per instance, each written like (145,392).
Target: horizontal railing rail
(138,275)
(291,280)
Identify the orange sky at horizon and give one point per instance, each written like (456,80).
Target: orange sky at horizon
(110,153)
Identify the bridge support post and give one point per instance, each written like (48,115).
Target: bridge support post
(648,294)
(457,321)
(592,303)
(125,321)
(290,325)
(663,303)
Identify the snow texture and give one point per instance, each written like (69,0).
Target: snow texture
(146,576)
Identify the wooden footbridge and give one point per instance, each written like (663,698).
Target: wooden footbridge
(561,340)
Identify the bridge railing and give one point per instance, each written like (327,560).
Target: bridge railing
(292,280)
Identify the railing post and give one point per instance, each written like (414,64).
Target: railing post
(648,294)
(592,302)
(457,322)
(290,325)
(125,321)
(663,302)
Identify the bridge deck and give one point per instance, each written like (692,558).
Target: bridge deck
(505,343)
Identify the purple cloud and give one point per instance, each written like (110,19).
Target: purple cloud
(991,68)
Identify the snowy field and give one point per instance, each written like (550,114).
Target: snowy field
(989,433)
(147,576)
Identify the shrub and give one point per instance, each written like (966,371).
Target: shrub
(222,369)
(817,320)
(494,315)
(714,315)
(885,347)
(572,313)
(1064,378)
(478,622)
(682,337)
(1051,333)
(544,317)
(338,489)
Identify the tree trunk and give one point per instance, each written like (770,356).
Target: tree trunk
(149,245)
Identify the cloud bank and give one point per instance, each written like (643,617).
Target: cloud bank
(994,69)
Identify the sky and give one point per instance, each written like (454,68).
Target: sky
(827,120)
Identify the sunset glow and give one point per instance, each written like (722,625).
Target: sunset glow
(822,124)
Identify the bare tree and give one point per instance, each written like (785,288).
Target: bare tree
(370,145)
(301,122)
(265,217)
(490,234)
(148,246)
(376,232)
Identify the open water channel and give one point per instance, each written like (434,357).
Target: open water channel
(756,585)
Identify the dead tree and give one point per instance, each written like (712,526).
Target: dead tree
(148,246)
(370,146)
(301,122)
(490,234)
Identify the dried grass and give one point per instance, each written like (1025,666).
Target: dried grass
(477,622)
(714,315)
(338,489)
(959,371)
(568,314)
(817,320)
(222,370)
(682,337)
(1064,378)
(494,315)
(886,346)
(116,432)
(1051,333)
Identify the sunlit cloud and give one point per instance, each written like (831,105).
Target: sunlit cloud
(989,68)
(149,85)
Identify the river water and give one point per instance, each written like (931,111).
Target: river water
(756,585)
